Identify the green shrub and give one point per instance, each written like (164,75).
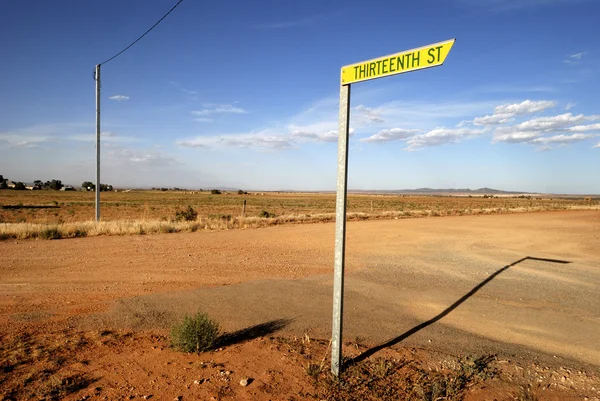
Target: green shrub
(188,214)
(195,334)
(215,192)
(51,233)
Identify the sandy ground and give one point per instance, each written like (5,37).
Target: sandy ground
(523,286)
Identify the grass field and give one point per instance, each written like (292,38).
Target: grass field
(55,214)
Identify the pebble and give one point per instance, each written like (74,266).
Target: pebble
(244,382)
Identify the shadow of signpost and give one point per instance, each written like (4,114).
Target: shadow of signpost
(252,332)
(446,311)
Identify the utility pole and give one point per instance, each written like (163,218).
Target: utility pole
(97,142)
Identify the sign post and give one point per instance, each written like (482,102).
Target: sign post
(398,63)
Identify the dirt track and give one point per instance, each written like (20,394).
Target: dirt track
(400,274)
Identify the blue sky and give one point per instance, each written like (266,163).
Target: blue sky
(246,94)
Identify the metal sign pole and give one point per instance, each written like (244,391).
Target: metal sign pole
(98,142)
(340,230)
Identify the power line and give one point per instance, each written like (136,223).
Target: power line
(145,33)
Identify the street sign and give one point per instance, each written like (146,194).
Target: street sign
(398,63)
(409,60)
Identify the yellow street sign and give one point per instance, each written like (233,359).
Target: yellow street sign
(409,60)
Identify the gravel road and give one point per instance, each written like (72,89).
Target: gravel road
(497,284)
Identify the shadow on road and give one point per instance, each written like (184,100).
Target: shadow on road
(252,332)
(423,325)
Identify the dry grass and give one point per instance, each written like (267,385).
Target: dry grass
(54,215)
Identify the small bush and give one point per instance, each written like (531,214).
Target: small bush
(313,370)
(188,214)
(219,216)
(79,232)
(195,334)
(266,214)
(50,233)
(215,192)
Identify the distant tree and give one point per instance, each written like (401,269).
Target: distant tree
(106,187)
(55,184)
(215,192)
(88,186)
(19,186)
(3,182)
(38,183)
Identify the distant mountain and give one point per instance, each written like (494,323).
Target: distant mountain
(433,191)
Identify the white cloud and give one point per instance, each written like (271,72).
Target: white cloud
(219,109)
(528,131)
(321,116)
(416,115)
(366,115)
(329,136)
(570,105)
(574,58)
(388,135)
(269,139)
(105,136)
(203,120)
(525,107)
(546,124)
(23,141)
(36,135)
(583,128)
(192,93)
(506,112)
(515,136)
(121,155)
(562,139)
(258,140)
(596,145)
(315,124)
(119,97)
(494,119)
(440,136)
(316,134)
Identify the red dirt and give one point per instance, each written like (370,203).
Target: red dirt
(97,310)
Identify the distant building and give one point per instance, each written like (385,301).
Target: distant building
(10,184)
(32,186)
(68,188)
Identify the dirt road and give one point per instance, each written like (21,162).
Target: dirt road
(438,282)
